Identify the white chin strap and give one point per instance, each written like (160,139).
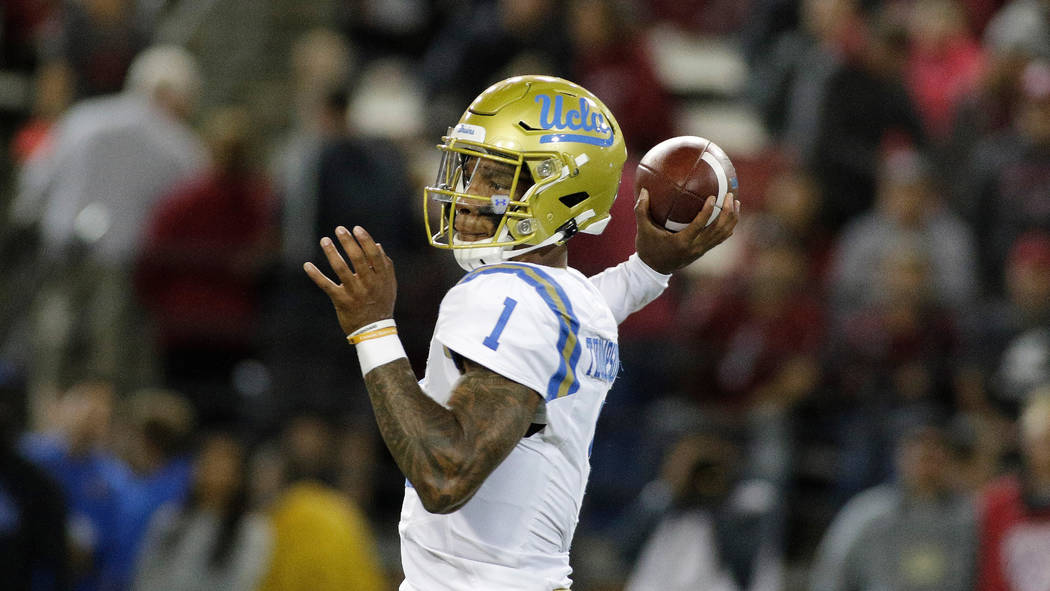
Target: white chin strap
(472,258)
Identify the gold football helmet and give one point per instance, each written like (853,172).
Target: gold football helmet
(552,155)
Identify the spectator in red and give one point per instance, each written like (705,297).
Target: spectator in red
(611,58)
(944,65)
(899,345)
(203,254)
(1015,511)
(758,341)
(789,209)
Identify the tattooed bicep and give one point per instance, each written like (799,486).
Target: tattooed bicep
(494,399)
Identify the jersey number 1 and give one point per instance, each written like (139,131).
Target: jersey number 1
(492,341)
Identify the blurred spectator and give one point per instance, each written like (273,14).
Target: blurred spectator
(51,95)
(909,210)
(322,541)
(75,453)
(865,109)
(23,25)
(988,110)
(766,21)
(979,12)
(611,59)
(981,444)
(388,102)
(715,524)
(97,39)
(1005,355)
(1024,365)
(357,461)
(321,66)
(914,534)
(1008,177)
(1021,26)
(204,251)
(895,354)
(34,547)
(359,180)
(704,17)
(789,210)
(212,542)
(363,178)
(757,341)
(832,94)
(159,426)
(1015,511)
(1019,32)
(485,41)
(792,74)
(112,159)
(385,27)
(944,64)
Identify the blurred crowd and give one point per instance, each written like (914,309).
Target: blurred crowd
(853,393)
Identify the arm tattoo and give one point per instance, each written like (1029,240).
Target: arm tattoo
(446,453)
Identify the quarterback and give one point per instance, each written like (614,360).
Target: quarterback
(495,439)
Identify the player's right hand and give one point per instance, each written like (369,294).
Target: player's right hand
(666,251)
(367,287)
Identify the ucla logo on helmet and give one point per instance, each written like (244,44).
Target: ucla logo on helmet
(587,125)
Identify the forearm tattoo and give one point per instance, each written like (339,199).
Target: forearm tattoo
(446,453)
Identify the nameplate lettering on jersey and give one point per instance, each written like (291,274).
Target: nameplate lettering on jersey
(605,359)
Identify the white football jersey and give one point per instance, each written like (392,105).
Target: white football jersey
(552,330)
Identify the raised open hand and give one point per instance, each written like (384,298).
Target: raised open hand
(367,287)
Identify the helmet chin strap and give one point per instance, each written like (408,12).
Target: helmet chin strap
(476,256)
(472,258)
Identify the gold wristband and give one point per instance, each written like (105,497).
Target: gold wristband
(372,334)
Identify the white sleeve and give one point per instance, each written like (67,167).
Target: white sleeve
(501,321)
(630,286)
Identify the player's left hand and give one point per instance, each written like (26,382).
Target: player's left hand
(666,251)
(367,287)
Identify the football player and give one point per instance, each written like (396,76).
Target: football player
(495,439)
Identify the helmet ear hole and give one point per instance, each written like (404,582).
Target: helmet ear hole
(573,199)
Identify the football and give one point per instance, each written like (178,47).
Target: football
(680,173)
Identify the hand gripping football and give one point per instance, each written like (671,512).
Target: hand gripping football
(680,173)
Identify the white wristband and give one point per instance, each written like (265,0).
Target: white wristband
(375,352)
